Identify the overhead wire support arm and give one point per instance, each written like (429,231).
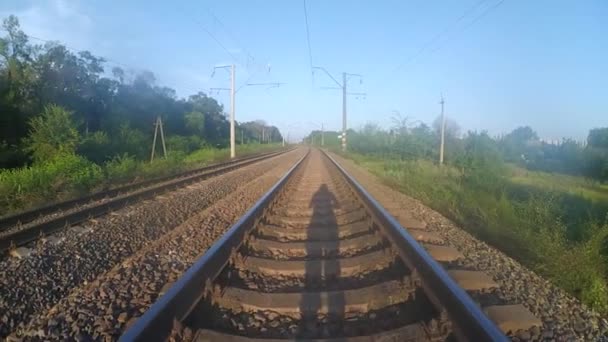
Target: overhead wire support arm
(328,74)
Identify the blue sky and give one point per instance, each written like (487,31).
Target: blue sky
(541,63)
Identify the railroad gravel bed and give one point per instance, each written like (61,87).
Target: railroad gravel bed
(45,218)
(103,308)
(76,256)
(564,317)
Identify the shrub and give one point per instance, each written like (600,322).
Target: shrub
(121,169)
(184,144)
(96,147)
(132,142)
(52,133)
(163,166)
(62,176)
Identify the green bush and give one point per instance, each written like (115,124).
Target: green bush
(62,176)
(122,169)
(206,155)
(184,144)
(96,147)
(163,166)
(67,175)
(132,142)
(53,132)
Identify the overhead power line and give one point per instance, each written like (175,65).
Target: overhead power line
(308,38)
(450,28)
(204,28)
(231,35)
(471,23)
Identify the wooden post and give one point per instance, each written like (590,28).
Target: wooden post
(158,124)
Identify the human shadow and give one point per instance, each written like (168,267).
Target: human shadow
(322,309)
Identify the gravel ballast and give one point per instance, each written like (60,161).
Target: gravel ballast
(75,257)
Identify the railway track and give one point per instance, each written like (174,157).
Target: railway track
(317,258)
(25,227)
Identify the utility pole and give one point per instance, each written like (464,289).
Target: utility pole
(158,125)
(232,93)
(441,146)
(343,111)
(232,101)
(345,93)
(322,135)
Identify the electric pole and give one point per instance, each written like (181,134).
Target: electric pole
(441,146)
(343,111)
(345,93)
(322,135)
(232,101)
(158,125)
(232,93)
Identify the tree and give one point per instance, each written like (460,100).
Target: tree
(52,133)
(452,128)
(521,145)
(195,121)
(481,161)
(598,137)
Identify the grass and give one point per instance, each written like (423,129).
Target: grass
(68,176)
(532,228)
(574,185)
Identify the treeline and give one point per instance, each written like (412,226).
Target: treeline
(522,146)
(108,112)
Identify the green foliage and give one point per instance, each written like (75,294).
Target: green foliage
(96,146)
(121,169)
(195,121)
(132,142)
(598,138)
(184,144)
(52,133)
(523,147)
(480,161)
(62,176)
(258,132)
(163,166)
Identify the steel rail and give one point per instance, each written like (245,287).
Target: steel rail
(182,297)
(469,321)
(26,235)
(30,215)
